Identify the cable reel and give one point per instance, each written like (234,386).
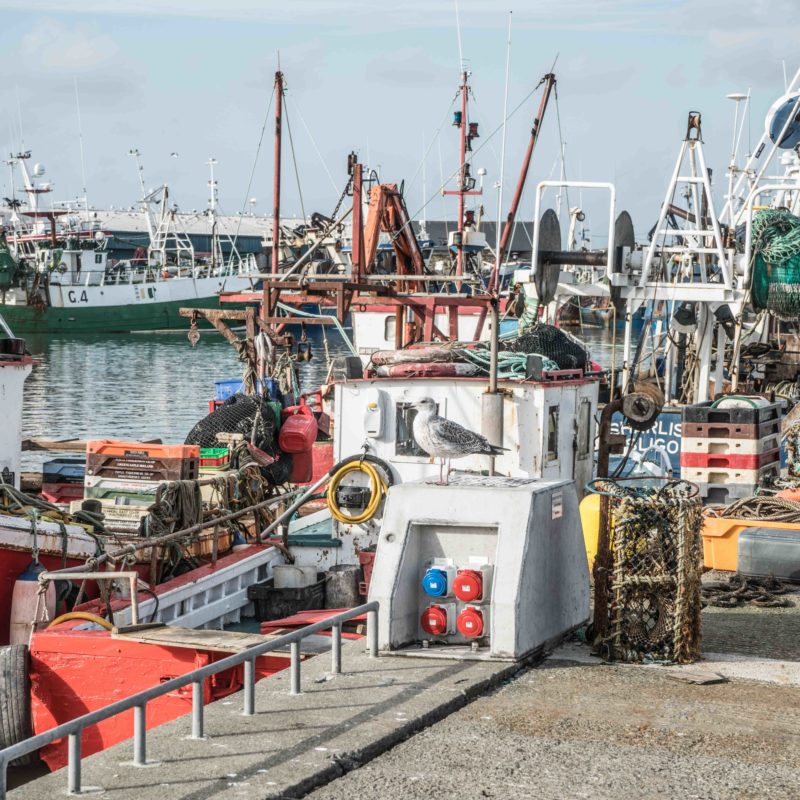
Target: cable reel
(353,504)
(642,406)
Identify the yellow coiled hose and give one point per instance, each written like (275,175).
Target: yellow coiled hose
(377,485)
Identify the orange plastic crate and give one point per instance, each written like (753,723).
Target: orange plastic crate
(115,447)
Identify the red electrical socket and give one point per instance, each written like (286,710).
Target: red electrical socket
(468,585)
(470,623)
(434,620)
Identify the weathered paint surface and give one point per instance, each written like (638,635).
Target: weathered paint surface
(74,672)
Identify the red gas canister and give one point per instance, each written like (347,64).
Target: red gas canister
(434,620)
(470,623)
(298,431)
(302,467)
(468,585)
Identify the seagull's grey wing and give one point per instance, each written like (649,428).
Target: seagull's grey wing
(458,437)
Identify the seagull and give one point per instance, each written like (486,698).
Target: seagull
(444,439)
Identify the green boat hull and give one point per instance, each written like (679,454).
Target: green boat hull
(26,320)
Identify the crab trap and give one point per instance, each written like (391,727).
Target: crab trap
(647,571)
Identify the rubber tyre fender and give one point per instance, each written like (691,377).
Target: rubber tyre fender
(15,698)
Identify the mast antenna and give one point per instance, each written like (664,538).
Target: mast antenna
(83,159)
(461,66)
(503,151)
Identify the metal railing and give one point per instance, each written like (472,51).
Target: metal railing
(138,702)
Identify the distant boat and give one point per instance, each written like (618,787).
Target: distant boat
(61,279)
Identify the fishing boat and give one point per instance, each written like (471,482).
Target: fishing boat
(57,275)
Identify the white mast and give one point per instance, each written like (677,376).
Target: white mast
(502,178)
(216,247)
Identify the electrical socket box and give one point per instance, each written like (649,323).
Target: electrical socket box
(517,540)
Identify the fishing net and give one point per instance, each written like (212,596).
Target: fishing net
(255,418)
(776,263)
(651,571)
(553,343)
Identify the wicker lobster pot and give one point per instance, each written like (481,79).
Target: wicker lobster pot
(647,577)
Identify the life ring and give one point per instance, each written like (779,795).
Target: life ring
(435,369)
(165,274)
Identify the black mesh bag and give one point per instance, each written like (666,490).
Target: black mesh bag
(238,415)
(552,342)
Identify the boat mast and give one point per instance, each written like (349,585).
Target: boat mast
(276,218)
(216,248)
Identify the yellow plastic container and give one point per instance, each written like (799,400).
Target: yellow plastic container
(590,522)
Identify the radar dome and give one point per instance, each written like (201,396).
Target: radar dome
(785,112)
(38,170)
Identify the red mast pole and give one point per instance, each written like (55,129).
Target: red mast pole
(276,201)
(358,228)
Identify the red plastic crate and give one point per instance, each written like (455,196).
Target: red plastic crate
(367,560)
(729,460)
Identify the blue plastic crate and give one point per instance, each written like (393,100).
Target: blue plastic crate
(232,386)
(227,388)
(62,470)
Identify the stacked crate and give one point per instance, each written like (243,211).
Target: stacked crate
(131,472)
(729,452)
(62,479)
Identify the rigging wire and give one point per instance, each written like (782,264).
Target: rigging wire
(457,171)
(294,159)
(255,164)
(317,150)
(561,144)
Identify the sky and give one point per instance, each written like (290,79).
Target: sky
(194,78)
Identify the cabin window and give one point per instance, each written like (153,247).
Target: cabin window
(404,442)
(98,258)
(584,429)
(389,328)
(552,434)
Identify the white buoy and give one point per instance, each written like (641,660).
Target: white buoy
(23,603)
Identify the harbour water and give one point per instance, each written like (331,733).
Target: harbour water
(151,386)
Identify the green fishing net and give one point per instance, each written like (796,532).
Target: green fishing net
(776,263)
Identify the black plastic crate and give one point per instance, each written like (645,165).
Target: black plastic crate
(271,603)
(704,412)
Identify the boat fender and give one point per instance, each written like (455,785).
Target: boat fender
(15,699)
(24,600)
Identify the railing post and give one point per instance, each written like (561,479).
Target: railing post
(249,687)
(74,763)
(197,709)
(336,649)
(140,735)
(3,777)
(372,633)
(295,669)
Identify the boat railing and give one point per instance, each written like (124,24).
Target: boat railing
(138,702)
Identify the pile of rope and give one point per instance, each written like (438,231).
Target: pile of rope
(510,365)
(760,507)
(776,263)
(654,574)
(738,590)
